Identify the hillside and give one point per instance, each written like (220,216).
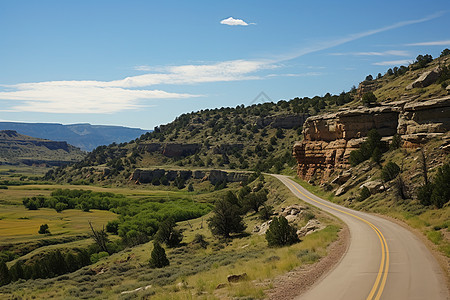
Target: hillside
(84,136)
(258,137)
(16,148)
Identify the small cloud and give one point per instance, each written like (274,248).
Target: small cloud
(234,22)
(142,68)
(434,43)
(393,62)
(384,53)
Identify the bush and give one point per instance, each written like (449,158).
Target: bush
(97,256)
(368,149)
(437,192)
(396,142)
(113,227)
(59,207)
(158,257)
(280,233)
(43,229)
(364,194)
(369,99)
(168,234)
(390,171)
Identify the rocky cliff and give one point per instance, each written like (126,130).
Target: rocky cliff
(329,138)
(18,148)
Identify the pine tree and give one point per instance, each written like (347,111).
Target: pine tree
(226,219)
(4,273)
(158,256)
(280,233)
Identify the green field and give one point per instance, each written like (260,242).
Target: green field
(193,271)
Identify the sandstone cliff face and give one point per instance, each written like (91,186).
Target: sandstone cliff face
(329,138)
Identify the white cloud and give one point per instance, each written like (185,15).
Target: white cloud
(114,96)
(393,62)
(383,53)
(434,43)
(234,22)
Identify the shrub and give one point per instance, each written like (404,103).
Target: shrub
(112,227)
(158,257)
(97,256)
(396,142)
(280,233)
(168,234)
(199,239)
(364,194)
(266,212)
(368,149)
(437,192)
(60,206)
(390,171)
(43,229)
(369,99)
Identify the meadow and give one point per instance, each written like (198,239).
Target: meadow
(194,271)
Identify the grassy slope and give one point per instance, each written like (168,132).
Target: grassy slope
(194,272)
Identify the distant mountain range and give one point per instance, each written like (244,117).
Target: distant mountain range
(84,136)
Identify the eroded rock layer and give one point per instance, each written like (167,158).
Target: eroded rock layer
(329,138)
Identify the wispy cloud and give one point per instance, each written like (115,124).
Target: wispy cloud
(393,62)
(118,95)
(234,22)
(320,46)
(434,43)
(383,53)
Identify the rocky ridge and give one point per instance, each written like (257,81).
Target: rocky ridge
(18,148)
(329,138)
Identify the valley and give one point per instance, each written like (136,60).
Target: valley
(203,207)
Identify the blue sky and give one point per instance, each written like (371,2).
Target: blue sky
(142,63)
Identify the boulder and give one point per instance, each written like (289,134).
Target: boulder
(374,187)
(425,79)
(313,225)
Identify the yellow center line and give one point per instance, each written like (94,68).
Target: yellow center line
(384,265)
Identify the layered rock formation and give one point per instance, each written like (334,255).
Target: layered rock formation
(17,148)
(329,138)
(171,149)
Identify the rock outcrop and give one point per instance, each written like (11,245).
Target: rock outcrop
(329,138)
(17,148)
(425,79)
(171,149)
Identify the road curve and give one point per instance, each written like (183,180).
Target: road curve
(383,261)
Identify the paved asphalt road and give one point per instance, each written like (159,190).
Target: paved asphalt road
(383,261)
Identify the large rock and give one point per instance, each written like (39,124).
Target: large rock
(313,225)
(425,79)
(374,187)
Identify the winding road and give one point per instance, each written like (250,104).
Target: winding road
(383,260)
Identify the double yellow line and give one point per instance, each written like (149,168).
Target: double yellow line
(380,281)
